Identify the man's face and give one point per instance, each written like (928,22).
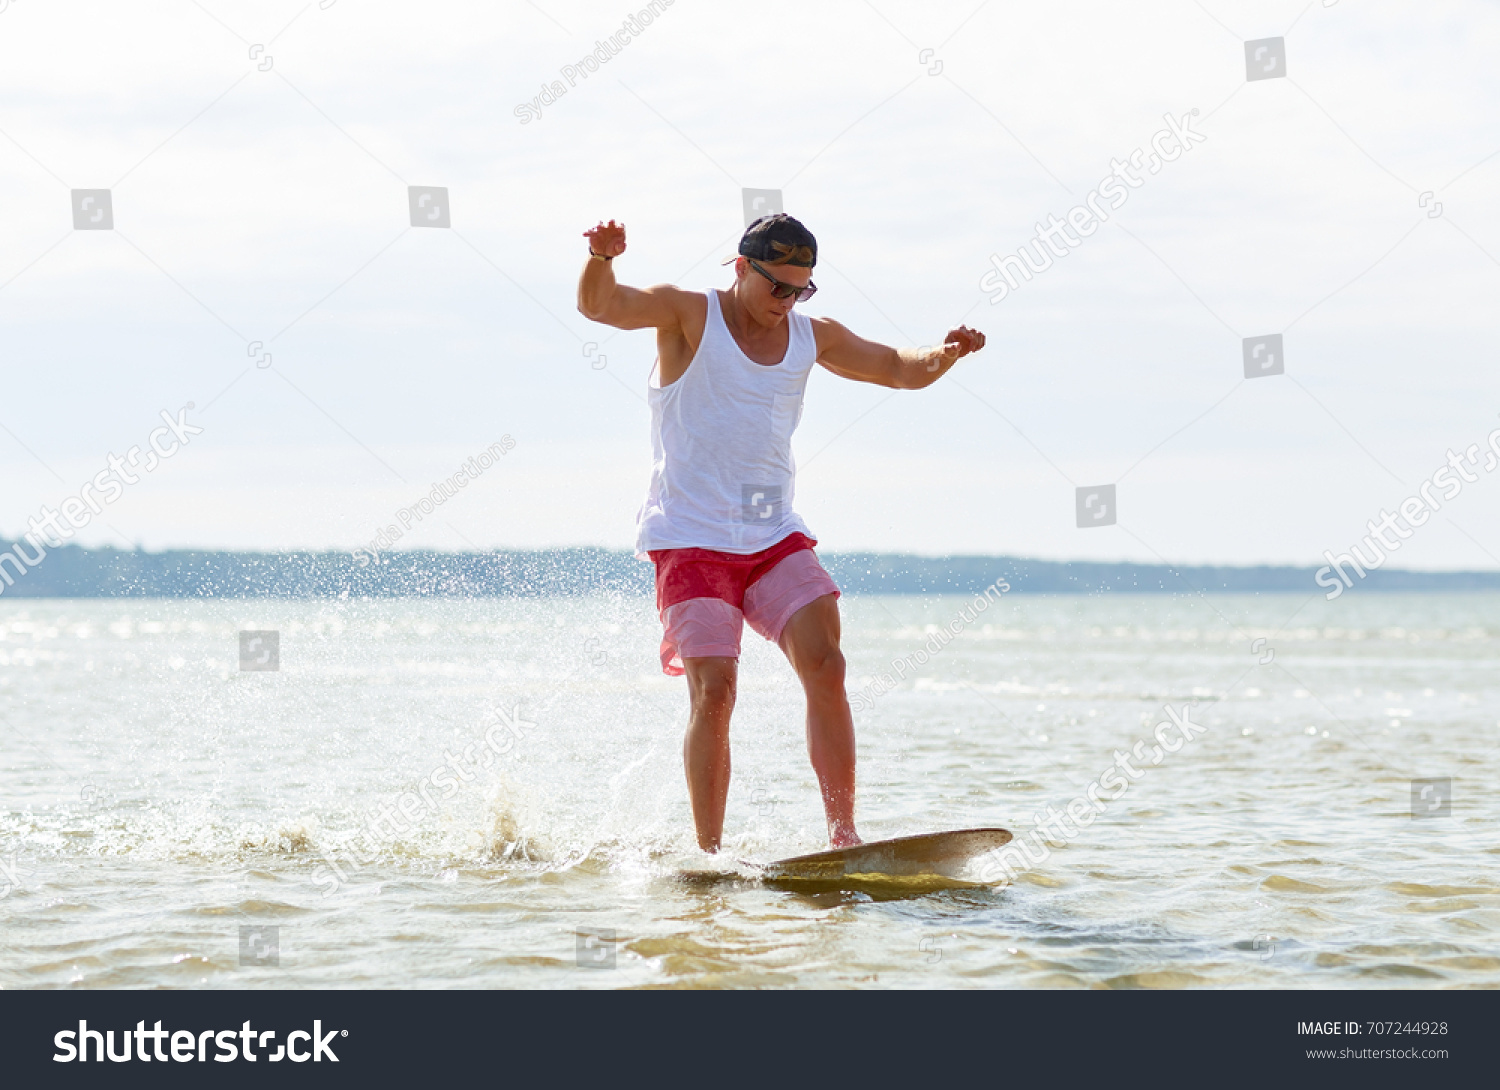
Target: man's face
(755,290)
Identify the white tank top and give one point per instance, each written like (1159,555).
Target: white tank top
(722,475)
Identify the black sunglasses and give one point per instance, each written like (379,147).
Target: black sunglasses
(782,290)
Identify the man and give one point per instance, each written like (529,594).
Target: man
(726,394)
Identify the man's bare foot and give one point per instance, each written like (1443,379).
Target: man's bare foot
(843,838)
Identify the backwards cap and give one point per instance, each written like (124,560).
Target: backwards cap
(760,239)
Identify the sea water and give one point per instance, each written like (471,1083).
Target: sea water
(489,793)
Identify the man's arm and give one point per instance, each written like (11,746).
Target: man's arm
(602,299)
(853,357)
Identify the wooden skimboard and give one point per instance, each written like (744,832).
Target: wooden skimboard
(932,860)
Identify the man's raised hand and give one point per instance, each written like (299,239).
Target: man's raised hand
(961,341)
(607,239)
(957,344)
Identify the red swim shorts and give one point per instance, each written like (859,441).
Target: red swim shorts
(703,596)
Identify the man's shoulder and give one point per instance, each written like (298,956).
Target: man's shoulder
(826,331)
(681,299)
(673,291)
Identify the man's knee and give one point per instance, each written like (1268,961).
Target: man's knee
(711,685)
(714,692)
(821,666)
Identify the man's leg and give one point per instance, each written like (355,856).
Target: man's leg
(705,750)
(811,643)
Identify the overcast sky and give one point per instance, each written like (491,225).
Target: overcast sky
(259,158)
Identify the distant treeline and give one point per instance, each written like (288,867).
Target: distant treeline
(74,572)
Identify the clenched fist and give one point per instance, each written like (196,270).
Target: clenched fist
(957,344)
(961,341)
